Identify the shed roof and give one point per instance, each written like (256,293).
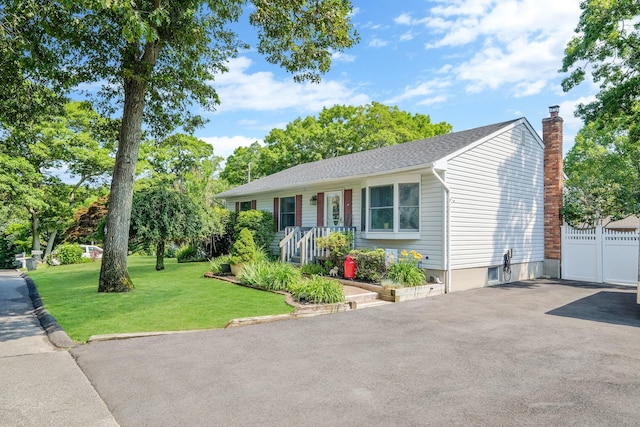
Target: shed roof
(371,162)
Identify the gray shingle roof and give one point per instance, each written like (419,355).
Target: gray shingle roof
(371,162)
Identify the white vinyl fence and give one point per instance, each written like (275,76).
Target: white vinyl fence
(600,255)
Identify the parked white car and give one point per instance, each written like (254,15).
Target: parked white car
(91,251)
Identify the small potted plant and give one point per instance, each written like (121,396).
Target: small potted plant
(243,251)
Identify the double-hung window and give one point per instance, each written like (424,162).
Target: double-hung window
(392,208)
(381,208)
(409,206)
(287,212)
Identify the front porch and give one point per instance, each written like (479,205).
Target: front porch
(299,244)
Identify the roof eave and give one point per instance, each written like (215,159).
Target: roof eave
(329,181)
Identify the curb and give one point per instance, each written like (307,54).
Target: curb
(57,336)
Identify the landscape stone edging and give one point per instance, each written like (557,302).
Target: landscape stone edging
(57,336)
(300,310)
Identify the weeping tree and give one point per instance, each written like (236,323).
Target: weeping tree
(161,214)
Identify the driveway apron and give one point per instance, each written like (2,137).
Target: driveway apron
(525,354)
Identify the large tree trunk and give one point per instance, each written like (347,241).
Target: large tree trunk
(114,276)
(160,255)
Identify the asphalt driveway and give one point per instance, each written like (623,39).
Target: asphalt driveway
(525,354)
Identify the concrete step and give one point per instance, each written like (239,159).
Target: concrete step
(375,303)
(362,297)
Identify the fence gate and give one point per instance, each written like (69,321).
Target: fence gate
(600,255)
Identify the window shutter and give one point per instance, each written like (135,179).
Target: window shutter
(253,205)
(320,210)
(237,206)
(299,210)
(276,212)
(363,209)
(348,209)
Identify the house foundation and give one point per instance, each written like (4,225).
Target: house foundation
(471,278)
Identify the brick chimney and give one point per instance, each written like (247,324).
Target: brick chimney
(552,137)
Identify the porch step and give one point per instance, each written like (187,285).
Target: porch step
(362,297)
(374,303)
(295,260)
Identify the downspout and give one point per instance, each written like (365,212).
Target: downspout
(447,239)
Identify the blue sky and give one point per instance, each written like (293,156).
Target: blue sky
(466,62)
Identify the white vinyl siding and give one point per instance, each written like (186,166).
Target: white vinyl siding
(430,244)
(498,201)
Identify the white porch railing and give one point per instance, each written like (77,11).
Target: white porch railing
(300,242)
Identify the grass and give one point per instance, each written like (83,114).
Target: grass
(178,298)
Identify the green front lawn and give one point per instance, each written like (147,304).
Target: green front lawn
(178,298)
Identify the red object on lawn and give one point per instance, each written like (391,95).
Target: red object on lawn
(349,268)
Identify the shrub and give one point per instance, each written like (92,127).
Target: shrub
(259,223)
(215,265)
(311,269)
(317,290)
(370,264)
(337,243)
(69,254)
(272,276)
(189,253)
(406,271)
(244,249)
(170,252)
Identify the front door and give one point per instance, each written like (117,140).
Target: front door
(334,215)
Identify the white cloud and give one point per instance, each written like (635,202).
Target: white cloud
(428,93)
(239,89)
(376,42)
(403,19)
(527,88)
(526,65)
(406,36)
(517,43)
(342,57)
(439,99)
(371,26)
(567,109)
(224,146)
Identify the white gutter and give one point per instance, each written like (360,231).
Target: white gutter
(447,239)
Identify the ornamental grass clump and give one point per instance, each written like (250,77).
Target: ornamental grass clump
(271,276)
(406,271)
(215,265)
(189,253)
(310,269)
(317,290)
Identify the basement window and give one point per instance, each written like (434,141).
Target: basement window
(493,275)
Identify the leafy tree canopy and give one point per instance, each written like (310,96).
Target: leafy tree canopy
(78,140)
(607,46)
(602,169)
(336,131)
